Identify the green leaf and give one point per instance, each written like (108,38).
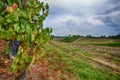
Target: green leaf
(17,60)
(29,2)
(9,2)
(11,18)
(24,55)
(22,66)
(22,30)
(29,59)
(35,18)
(19,51)
(16,27)
(22,61)
(1,5)
(27,38)
(32,37)
(20,4)
(29,14)
(42,18)
(28,28)
(20,13)
(15,17)
(14,68)
(1,19)
(19,38)
(47,6)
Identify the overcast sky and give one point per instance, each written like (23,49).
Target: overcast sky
(84,17)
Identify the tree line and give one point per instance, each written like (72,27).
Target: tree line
(90,36)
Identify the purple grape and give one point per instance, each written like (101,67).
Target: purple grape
(14,47)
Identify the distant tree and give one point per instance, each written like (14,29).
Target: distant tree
(114,36)
(103,36)
(89,36)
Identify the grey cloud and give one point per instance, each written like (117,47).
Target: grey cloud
(109,13)
(55,10)
(109,7)
(98,20)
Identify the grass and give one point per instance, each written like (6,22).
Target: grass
(114,44)
(92,41)
(81,69)
(98,42)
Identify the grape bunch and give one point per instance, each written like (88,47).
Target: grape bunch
(14,44)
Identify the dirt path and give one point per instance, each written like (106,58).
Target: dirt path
(102,56)
(101,63)
(112,51)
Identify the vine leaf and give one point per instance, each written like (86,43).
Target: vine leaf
(16,27)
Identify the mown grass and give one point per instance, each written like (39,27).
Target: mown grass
(81,69)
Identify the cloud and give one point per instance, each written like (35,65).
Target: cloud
(83,17)
(110,14)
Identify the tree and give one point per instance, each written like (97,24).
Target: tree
(22,20)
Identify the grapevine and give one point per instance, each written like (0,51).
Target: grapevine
(22,20)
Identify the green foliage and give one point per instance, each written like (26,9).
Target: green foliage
(25,24)
(70,39)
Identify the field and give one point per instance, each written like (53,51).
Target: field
(87,59)
(98,42)
(81,59)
